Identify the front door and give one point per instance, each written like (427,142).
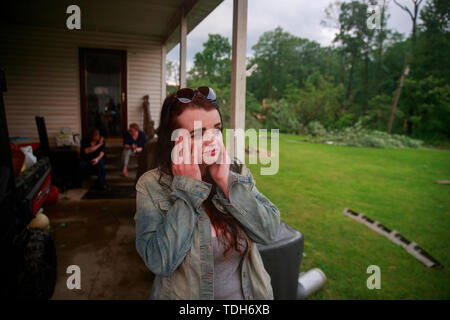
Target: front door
(103,91)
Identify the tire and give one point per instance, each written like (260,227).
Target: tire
(37,279)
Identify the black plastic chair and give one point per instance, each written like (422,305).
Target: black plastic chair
(282,259)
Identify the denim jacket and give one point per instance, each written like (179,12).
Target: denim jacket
(173,233)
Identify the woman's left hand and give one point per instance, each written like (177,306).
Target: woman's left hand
(220,169)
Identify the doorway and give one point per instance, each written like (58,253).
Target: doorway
(103,91)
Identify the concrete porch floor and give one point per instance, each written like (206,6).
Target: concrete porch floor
(99,237)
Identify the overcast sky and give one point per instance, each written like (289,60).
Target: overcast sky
(299,17)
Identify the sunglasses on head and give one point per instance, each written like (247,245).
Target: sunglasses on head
(186,95)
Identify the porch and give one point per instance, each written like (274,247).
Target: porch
(69,76)
(99,237)
(44,75)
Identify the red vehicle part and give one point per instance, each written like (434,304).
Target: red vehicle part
(53,196)
(42,194)
(32,188)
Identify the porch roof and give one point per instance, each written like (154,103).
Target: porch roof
(156,18)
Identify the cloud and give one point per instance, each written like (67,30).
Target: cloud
(299,17)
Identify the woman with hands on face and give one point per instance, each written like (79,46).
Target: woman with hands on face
(212,160)
(199,215)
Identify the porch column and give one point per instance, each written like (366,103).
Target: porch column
(183,34)
(163,73)
(238,69)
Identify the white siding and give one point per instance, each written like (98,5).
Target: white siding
(42,74)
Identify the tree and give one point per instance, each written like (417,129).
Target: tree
(428,54)
(275,53)
(284,59)
(435,16)
(213,64)
(431,100)
(319,100)
(433,41)
(353,35)
(413,15)
(173,72)
(381,35)
(425,98)
(368,36)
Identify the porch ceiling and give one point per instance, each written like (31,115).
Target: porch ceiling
(158,18)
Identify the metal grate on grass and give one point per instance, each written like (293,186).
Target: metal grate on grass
(411,247)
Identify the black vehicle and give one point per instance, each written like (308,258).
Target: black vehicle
(28,267)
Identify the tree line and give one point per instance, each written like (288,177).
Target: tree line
(373,76)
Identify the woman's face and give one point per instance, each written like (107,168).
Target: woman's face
(209,133)
(96,136)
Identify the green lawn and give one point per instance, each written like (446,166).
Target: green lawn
(316,182)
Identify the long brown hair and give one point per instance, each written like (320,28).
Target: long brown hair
(229,229)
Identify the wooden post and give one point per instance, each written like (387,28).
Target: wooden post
(163,74)
(238,68)
(183,42)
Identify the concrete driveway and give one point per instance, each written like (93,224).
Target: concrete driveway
(99,237)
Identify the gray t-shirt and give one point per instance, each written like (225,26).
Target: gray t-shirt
(227,273)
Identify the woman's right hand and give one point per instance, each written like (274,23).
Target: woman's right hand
(179,165)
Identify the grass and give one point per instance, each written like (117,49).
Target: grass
(397,187)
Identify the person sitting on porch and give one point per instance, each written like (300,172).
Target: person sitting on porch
(133,143)
(93,157)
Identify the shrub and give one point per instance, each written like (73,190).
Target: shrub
(319,100)
(280,115)
(315,129)
(345,121)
